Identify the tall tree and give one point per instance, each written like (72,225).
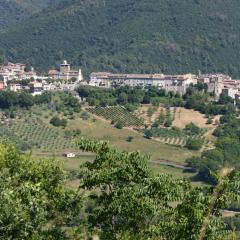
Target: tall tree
(35,203)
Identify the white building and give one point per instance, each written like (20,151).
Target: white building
(36,88)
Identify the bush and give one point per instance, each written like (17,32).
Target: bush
(148,134)
(131,107)
(209,121)
(72,134)
(119,125)
(168,122)
(130,139)
(193,129)
(85,116)
(57,122)
(194,144)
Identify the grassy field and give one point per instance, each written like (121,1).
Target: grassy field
(50,141)
(102,130)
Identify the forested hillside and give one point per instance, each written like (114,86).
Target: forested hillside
(131,36)
(14,11)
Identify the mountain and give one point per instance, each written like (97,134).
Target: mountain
(171,36)
(14,11)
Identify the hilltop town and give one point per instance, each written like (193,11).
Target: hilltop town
(14,76)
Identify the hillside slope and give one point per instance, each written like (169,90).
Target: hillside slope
(14,11)
(171,36)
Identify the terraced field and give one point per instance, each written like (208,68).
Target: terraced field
(175,136)
(181,141)
(116,114)
(33,132)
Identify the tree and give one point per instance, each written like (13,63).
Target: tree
(224,99)
(119,125)
(194,144)
(1,59)
(168,122)
(26,100)
(8,99)
(192,129)
(133,203)
(148,134)
(57,122)
(123,98)
(33,194)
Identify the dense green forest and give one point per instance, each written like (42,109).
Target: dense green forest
(131,36)
(14,11)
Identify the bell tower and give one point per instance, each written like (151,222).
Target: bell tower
(65,67)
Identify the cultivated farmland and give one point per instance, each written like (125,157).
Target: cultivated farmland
(117,114)
(33,132)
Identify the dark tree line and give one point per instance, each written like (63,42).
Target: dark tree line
(128,96)
(9,99)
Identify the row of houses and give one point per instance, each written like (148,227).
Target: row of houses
(37,87)
(67,78)
(217,83)
(175,83)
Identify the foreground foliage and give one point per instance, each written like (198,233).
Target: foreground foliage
(124,199)
(132,203)
(35,204)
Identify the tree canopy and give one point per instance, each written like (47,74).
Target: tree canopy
(35,203)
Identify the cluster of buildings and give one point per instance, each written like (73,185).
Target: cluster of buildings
(12,74)
(15,71)
(66,73)
(217,83)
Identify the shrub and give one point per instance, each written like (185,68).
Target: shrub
(119,125)
(193,129)
(194,144)
(130,139)
(57,122)
(209,121)
(168,122)
(85,116)
(148,134)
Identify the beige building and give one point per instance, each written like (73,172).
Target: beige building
(16,71)
(175,83)
(66,73)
